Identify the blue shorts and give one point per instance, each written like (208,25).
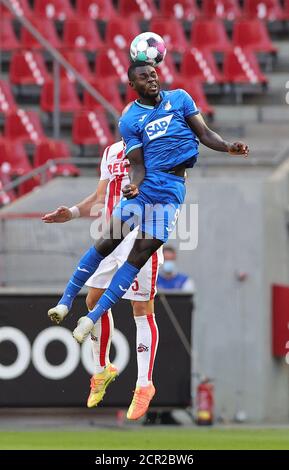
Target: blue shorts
(157,206)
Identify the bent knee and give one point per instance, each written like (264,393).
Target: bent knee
(141,308)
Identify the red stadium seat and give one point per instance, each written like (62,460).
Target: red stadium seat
(46,28)
(28,68)
(131,94)
(5,179)
(222,9)
(95,9)
(109,90)
(14,158)
(180,9)
(69,101)
(286,9)
(139,8)
(172,33)
(269,10)
(167,70)
(29,185)
(210,35)
(53,9)
(253,35)
(81,34)
(241,66)
(91,128)
(7,103)
(53,150)
(24,125)
(8,40)
(200,65)
(21,7)
(195,89)
(120,32)
(112,63)
(79,61)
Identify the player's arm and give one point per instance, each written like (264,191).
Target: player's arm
(94,201)
(213,140)
(136,173)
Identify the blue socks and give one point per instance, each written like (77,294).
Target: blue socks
(120,283)
(86,267)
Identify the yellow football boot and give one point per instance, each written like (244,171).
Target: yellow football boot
(99,383)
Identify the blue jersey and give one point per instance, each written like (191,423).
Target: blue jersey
(162,131)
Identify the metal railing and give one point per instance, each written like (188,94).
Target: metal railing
(43,170)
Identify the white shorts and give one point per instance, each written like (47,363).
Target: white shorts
(144,285)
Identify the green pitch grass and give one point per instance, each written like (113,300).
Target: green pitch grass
(141,439)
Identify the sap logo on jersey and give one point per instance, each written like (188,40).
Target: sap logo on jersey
(158,127)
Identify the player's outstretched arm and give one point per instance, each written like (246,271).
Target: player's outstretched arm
(136,173)
(89,206)
(213,140)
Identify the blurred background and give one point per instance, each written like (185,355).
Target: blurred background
(63,84)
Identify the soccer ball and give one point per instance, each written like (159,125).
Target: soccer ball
(148,47)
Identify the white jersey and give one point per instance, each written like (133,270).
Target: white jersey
(114,167)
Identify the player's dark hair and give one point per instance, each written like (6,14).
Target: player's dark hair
(133,66)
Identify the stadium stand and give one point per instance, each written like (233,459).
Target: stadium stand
(8,39)
(53,9)
(91,128)
(172,32)
(213,50)
(79,61)
(24,126)
(95,9)
(120,32)
(47,29)
(7,196)
(22,7)
(81,34)
(222,9)
(68,102)
(108,89)
(210,35)
(52,150)
(253,35)
(28,68)
(14,157)
(181,10)
(269,10)
(141,9)
(7,102)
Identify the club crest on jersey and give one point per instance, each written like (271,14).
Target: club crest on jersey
(158,127)
(167,106)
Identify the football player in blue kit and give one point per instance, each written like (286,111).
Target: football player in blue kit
(162,131)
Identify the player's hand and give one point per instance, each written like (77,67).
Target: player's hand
(62,214)
(130,191)
(238,148)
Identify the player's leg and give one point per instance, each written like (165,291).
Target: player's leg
(142,250)
(146,347)
(160,220)
(101,335)
(87,265)
(141,293)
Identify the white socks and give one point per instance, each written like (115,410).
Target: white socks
(101,335)
(147,337)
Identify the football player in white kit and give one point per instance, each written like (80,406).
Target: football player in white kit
(113,177)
